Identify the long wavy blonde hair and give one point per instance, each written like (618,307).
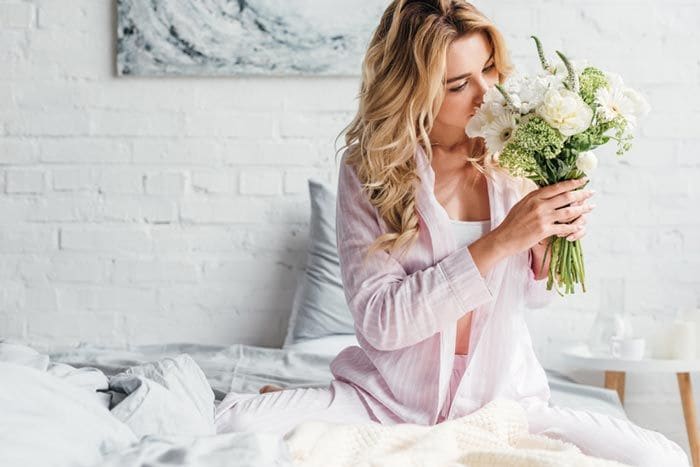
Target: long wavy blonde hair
(402,90)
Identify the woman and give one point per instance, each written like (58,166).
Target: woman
(439,251)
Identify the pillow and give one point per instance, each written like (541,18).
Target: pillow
(319,308)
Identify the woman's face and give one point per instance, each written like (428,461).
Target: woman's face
(470,72)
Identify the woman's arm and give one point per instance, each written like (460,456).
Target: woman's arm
(393,309)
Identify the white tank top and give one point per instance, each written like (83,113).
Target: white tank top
(467,232)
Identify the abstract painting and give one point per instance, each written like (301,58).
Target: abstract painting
(244,37)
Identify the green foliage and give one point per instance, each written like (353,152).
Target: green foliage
(591,80)
(537,136)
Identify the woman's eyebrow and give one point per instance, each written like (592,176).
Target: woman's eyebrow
(465,75)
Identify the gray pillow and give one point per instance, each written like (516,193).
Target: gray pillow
(319,308)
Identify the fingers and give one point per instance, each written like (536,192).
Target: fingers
(551,191)
(577,235)
(569,213)
(576,228)
(567,198)
(572,231)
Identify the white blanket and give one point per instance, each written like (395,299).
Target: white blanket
(495,435)
(52,414)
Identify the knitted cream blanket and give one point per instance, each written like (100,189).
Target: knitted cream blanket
(495,435)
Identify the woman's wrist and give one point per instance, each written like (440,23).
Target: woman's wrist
(499,243)
(487,251)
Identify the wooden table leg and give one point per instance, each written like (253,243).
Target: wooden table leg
(616,380)
(686,390)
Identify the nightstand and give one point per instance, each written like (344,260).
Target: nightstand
(580,356)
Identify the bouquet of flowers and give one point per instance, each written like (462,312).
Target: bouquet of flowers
(544,126)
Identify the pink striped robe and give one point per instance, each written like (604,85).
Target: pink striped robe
(405,311)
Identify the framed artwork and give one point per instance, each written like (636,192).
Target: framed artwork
(244,37)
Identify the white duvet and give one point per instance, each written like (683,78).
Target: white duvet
(52,414)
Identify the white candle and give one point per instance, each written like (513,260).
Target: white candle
(682,338)
(693,315)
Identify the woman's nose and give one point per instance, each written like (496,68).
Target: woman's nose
(482,86)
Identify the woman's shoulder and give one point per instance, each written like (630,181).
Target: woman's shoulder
(346,170)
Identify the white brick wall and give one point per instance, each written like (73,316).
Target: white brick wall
(144,210)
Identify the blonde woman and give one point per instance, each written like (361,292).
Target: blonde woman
(439,252)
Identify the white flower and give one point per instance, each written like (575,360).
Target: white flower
(614,79)
(566,111)
(639,103)
(498,132)
(533,90)
(586,161)
(619,100)
(612,101)
(494,96)
(494,105)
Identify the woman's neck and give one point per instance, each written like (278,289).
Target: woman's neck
(450,160)
(450,139)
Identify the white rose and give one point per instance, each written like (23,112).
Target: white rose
(586,161)
(565,111)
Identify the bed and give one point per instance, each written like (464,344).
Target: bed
(65,396)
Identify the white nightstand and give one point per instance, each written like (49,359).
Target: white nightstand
(580,356)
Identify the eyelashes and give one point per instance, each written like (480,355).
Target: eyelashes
(462,86)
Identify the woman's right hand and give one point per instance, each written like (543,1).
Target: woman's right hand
(542,213)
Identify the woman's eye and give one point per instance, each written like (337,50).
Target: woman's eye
(459,88)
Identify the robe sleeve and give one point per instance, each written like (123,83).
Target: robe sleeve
(393,309)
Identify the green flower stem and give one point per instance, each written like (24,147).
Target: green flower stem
(544,258)
(579,256)
(574,261)
(566,265)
